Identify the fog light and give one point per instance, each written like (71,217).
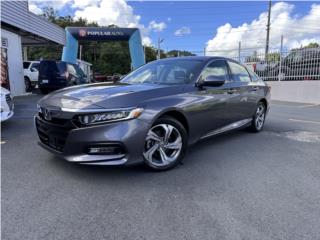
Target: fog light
(106,150)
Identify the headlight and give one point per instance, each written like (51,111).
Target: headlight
(110,116)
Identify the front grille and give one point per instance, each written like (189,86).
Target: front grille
(53,135)
(57,121)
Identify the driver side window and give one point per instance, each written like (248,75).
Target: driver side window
(218,69)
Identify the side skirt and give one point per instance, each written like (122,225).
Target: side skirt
(229,127)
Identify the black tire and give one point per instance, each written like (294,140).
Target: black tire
(43,91)
(167,120)
(27,83)
(258,124)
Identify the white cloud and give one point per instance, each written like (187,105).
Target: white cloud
(296,30)
(36,5)
(104,12)
(169,19)
(34,8)
(107,12)
(182,31)
(157,27)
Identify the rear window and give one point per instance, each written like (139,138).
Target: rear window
(254,76)
(52,66)
(26,65)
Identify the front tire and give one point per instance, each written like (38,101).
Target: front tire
(258,118)
(43,91)
(165,144)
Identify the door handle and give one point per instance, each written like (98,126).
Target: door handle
(254,89)
(231,91)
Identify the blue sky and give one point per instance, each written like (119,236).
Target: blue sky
(201,19)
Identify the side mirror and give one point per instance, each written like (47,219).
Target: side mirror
(213,81)
(34,69)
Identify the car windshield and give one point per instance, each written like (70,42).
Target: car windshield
(167,72)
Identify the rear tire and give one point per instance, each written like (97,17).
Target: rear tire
(165,144)
(27,83)
(258,118)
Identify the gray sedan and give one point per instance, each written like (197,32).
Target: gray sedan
(153,114)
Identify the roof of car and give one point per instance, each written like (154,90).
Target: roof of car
(199,58)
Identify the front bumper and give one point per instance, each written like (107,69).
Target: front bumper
(72,143)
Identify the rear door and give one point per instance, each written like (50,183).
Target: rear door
(244,89)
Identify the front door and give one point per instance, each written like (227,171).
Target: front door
(216,106)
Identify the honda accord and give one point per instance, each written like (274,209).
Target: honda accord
(153,114)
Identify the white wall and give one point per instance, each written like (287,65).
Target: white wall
(15,63)
(296,91)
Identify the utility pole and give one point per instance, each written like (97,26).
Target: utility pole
(268,32)
(239,52)
(160,40)
(80,52)
(280,63)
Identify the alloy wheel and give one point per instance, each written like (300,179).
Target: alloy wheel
(260,116)
(163,145)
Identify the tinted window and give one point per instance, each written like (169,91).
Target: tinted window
(173,71)
(47,67)
(26,65)
(61,66)
(218,69)
(239,73)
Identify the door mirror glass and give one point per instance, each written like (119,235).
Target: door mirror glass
(214,81)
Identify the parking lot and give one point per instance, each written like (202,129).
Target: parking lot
(235,186)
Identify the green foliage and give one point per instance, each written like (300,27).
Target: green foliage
(312,45)
(176,53)
(273,57)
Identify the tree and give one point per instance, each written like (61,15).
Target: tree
(273,57)
(312,45)
(176,53)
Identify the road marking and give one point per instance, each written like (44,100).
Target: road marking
(301,120)
(310,105)
(295,106)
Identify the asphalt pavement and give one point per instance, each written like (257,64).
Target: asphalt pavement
(240,185)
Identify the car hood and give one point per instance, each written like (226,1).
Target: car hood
(107,95)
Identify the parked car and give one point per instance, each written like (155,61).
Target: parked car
(7,105)
(299,64)
(99,77)
(153,114)
(116,77)
(31,74)
(54,75)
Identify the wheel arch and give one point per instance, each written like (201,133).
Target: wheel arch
(265,102)
(176,114)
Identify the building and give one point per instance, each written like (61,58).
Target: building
(19,28)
